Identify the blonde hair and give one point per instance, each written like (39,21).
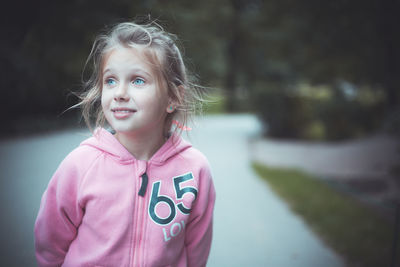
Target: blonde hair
(162,51)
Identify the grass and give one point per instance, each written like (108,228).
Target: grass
(353,230)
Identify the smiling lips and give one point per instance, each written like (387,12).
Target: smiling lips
(122,113)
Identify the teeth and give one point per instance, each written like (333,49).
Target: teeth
(124,111)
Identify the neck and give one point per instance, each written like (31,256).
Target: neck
(142,147)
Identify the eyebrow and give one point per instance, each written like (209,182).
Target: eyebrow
(135,70)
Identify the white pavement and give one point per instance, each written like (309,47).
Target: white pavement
(253,227)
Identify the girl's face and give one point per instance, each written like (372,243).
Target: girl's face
(132,100)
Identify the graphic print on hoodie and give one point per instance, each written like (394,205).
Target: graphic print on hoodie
(103,207)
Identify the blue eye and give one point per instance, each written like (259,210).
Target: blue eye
(110,81)
(138,81)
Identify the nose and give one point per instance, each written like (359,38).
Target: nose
(121,93)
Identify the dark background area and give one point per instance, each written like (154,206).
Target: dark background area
(309,69)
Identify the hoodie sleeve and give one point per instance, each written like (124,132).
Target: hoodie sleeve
(59,215)
(199,229)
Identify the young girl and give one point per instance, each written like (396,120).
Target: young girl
(141,195)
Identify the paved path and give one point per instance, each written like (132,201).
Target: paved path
(366,164)
(358,159)
(252,226)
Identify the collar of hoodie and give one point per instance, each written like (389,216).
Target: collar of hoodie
(105,141)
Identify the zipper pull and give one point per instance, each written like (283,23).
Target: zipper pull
(143,187)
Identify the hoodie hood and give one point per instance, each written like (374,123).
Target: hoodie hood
(106,142)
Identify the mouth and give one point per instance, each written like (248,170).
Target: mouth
(123,113)
(123,110)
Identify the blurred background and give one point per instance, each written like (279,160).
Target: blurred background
(311,70)
(316,79)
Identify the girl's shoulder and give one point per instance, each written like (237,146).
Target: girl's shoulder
(180,152)
(196,160)
(80,159)
(74,168)
(195,155)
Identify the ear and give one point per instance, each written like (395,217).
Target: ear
(170,108)
(174,103)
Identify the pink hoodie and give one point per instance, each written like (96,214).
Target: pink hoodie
(103,207)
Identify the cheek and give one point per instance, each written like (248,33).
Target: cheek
(105,99)
(144,98)
(102,101)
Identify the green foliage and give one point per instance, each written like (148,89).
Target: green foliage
(241,45)
(355,231)
(353,41)
(290,113)
(286,115)
(348,119)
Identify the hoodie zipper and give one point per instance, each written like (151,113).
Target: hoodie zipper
(139,231)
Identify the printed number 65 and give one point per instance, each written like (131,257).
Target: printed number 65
(179,192)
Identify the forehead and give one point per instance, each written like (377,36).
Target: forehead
(123,58)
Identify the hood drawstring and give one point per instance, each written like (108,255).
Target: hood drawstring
(143,187)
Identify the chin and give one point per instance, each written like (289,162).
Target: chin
(123,128)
